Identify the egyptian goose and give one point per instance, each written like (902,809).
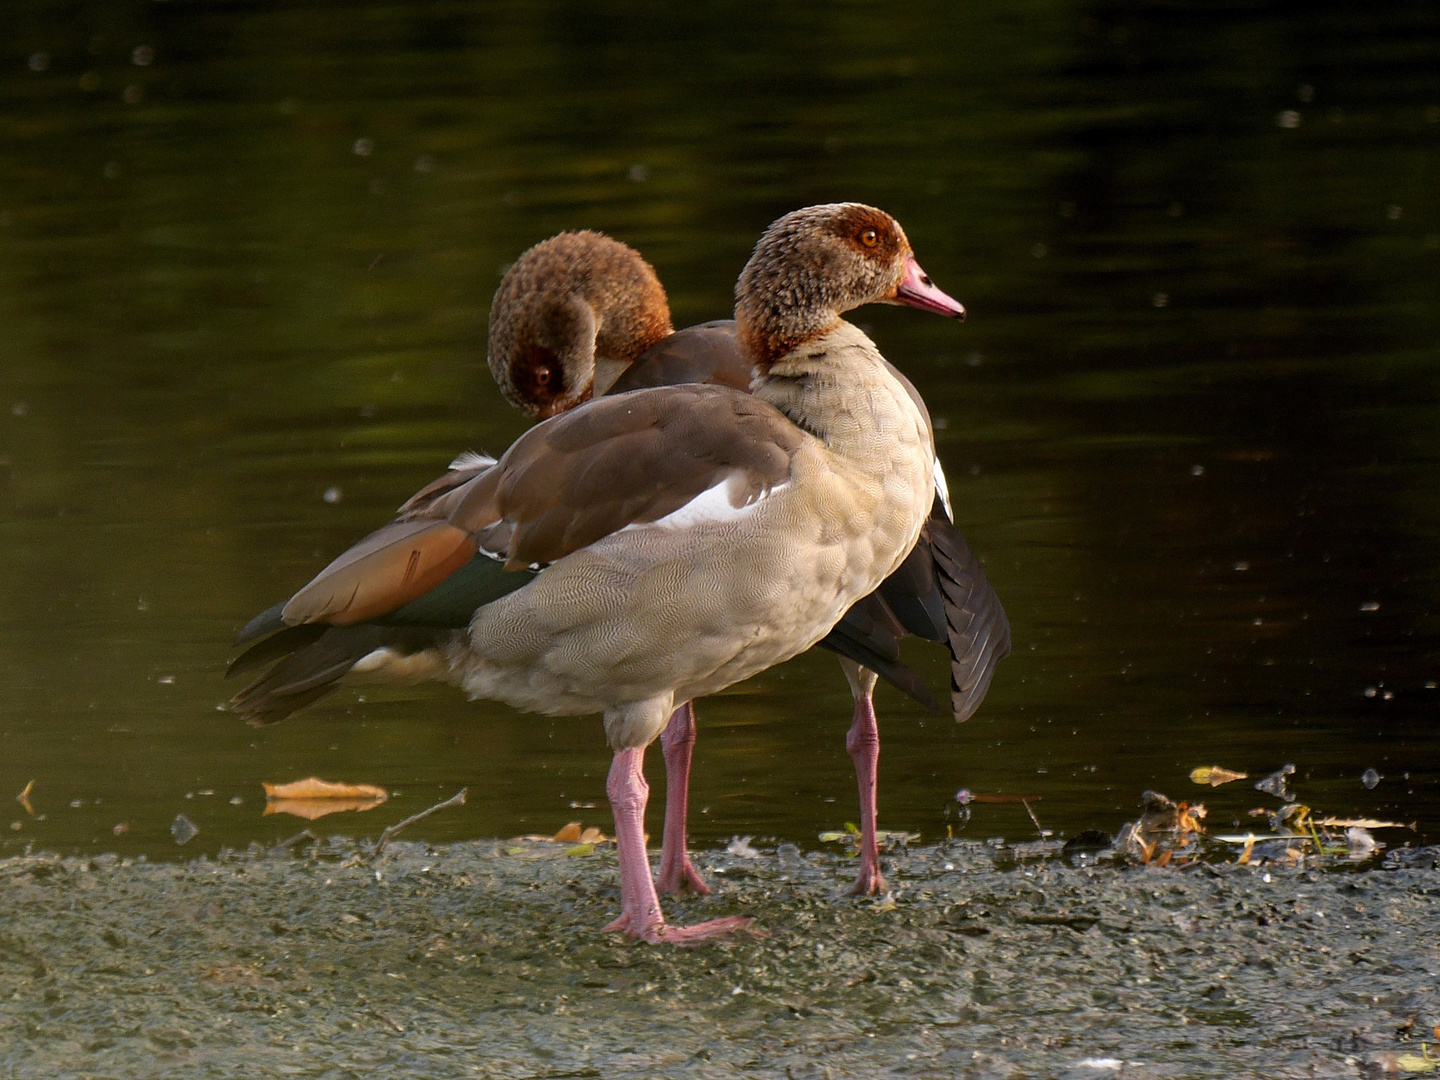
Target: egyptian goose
(660,544)
(582,315)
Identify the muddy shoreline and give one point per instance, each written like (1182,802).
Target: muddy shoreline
(484,959)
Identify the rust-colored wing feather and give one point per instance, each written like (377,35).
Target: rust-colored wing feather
(386,570)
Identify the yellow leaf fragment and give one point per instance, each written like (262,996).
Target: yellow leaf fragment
(574,834)
(24,798)
(1415,1063)
(581,849)
(1244,859)
(1214,775)
(514,851)
(314,788)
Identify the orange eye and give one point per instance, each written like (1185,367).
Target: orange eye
(869,238)
(543,376)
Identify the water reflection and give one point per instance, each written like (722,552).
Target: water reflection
(1190,423)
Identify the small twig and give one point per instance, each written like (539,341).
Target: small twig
(396,1026)
(458,799)
(1026,803)
(303,834)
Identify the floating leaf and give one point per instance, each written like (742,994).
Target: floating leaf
(310,809)
(24,798)
(569,834)
(313,798)
(592,835)
(514,851)
(314,788)
(1214,775)
(581,849)
(1359,823)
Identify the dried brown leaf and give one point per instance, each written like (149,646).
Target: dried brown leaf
(314,788)
(310,809)
(24,798)
(1188,818)
(1359,823)
(570,834)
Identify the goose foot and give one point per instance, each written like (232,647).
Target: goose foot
(662,933)
(641,918)
(677,872)
(869,882)
(863,742)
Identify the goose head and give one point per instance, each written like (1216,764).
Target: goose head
(812,265)
(568,317)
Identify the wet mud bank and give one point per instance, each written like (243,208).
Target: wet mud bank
(485,959)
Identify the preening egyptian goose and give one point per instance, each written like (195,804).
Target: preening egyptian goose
(647,548)
(582,315)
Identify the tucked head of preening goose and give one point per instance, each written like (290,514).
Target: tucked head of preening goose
(812,265)
(569,317)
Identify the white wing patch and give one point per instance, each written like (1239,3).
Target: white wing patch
(714,504)
(943,490)
(471,460)
(387,665)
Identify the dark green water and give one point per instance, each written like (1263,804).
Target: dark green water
(1191,423)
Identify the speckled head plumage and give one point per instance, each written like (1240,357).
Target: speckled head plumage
(814,264)
(571,313)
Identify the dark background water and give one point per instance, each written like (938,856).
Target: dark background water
(246,256)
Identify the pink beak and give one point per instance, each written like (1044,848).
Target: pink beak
(918,291)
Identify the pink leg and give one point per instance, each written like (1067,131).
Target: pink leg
(863,742)
(677,872)
(640,916)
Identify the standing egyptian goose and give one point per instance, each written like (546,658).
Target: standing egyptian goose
(661,544)
(582,315)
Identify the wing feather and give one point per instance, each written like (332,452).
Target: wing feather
(707,353)
(623,460)
(389,568)
(979,630)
